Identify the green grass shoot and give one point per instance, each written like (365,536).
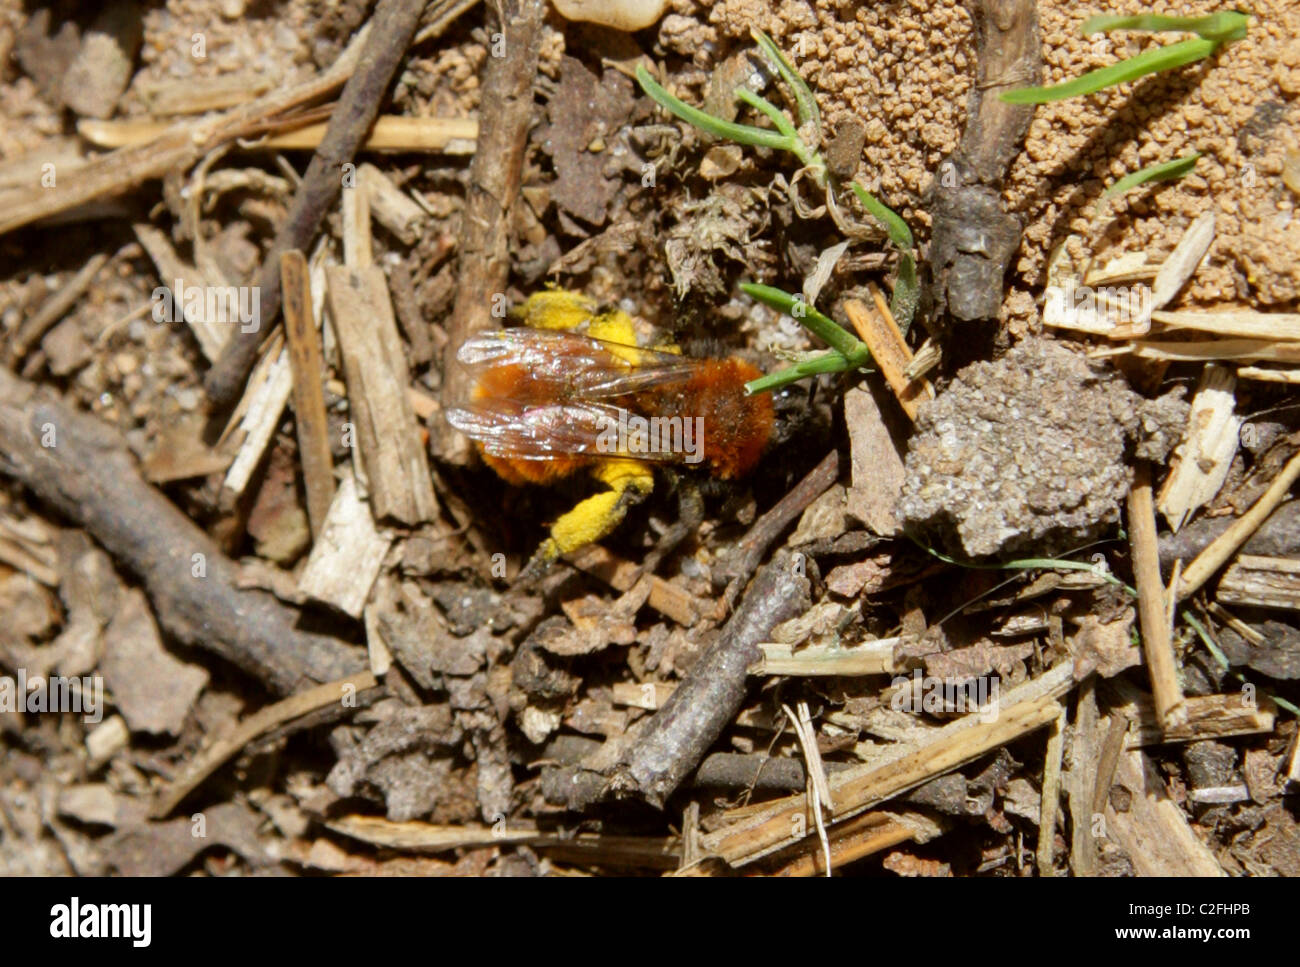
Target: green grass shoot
(1212,32)
(1165,171)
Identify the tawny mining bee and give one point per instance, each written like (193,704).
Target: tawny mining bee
(572,390)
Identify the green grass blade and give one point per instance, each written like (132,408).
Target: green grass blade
(774,113)
(1164,58)
(1224,26)
(828,362)
(1164,171)
(740,133)
(826,329)
(898,231)
(805,103)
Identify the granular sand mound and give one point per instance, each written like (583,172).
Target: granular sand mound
(905,69)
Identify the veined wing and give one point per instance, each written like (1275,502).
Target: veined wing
(554,364)
(516,430)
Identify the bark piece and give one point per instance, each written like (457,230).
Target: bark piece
(973,238)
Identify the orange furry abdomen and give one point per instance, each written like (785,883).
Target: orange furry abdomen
(737,427)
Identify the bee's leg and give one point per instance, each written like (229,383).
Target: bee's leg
(629,483)
(690,515)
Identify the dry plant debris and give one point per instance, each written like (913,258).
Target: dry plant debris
(296,615)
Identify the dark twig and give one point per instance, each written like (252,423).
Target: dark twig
(760,773)
(1279,536)
(391,29)
(84,470)
(672,741)
(749,550)
(505,114)
(678,735)
(333,696)
(973,238)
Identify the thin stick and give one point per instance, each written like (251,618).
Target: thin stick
(389,133)
(391,29)
(679,734)
(1157,642)
(1051,796)
(505,116)
(1227,544)
(309,415)
(749,550)
(967,200)
(55,308)
(222,750)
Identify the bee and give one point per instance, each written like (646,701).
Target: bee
(571,391)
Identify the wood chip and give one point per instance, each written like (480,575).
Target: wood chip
(1262,582)
(307,367)
(1209,444)
(178,278)
(665,597)
(1129,267)
(1050,801)
(1183,260)
(1157,637)
(388,436)
(257,416)
(391,208)
(878,472)
(889,351)
(346,557)
(152,689)
(868,658)
(1208,717)
(1153,830)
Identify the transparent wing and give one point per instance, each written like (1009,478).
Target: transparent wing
(553,364)
(513,429)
